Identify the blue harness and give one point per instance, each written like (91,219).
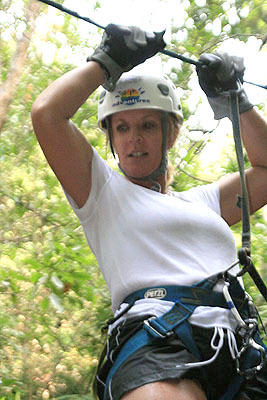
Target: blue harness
(175,321)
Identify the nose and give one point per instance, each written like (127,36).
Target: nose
(136,136)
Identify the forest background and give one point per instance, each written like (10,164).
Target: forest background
(53,300)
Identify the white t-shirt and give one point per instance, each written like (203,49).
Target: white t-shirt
(142,238)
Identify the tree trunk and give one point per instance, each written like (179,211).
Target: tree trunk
(9,86)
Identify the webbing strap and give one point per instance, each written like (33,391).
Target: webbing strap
(137,341)
(240,159)
(233,388)
(194,295)
(186,299)
(156,329)
(246,237)
(173,321)
(176,321)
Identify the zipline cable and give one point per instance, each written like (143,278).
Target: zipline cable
(71,12)
(164,51)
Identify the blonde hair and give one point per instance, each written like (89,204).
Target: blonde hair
(175,125)
(174,130)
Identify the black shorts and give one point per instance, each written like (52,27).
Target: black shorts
(159,361)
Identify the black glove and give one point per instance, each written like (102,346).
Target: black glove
(219,73)
(124,47)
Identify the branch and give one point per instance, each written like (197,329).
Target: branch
(44,218)
(224,38)
(19,59)
(192,176)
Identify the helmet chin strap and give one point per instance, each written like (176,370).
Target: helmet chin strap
(162,168)
(156,186)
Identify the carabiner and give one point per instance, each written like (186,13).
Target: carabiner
(251,371)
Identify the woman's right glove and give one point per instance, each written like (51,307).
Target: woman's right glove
(124,47)
(218,73)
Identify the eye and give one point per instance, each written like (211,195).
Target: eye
(149,125)
(121,127)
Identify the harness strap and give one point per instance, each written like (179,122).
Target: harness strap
(155,329)
(174,321)
(194,295)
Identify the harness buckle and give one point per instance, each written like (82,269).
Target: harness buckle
(156,332)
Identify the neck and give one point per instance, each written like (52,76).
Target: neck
(161,180)
(157,180)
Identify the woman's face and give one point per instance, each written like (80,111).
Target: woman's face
(137,139)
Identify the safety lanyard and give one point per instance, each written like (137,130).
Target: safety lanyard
(246,237)
(244,252)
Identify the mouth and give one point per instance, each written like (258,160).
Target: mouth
(138,154)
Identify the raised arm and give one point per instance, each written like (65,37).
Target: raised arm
(254,135)
(221,73)
(66,149)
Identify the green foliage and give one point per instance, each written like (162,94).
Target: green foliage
(53,298)
(231,18)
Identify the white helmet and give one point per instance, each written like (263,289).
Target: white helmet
(135,91)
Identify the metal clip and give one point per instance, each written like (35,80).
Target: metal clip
(250,372)
(246,329)
(154,331)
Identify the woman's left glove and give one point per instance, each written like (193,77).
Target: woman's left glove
(219,73)
(124,47)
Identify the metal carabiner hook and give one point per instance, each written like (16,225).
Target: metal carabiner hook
(251,371)
(246,329)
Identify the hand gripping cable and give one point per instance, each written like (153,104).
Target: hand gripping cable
(165,51)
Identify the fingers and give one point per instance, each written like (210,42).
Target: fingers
(124,47)
(210,60)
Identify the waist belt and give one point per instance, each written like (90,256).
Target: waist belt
(193,295)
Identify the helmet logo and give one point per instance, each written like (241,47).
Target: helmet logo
(130,97)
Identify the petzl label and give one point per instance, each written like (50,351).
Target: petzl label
(156,293)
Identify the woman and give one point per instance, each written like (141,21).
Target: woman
(142,234)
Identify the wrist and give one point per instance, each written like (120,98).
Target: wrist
(100,68)
(221,104)
(111,69)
